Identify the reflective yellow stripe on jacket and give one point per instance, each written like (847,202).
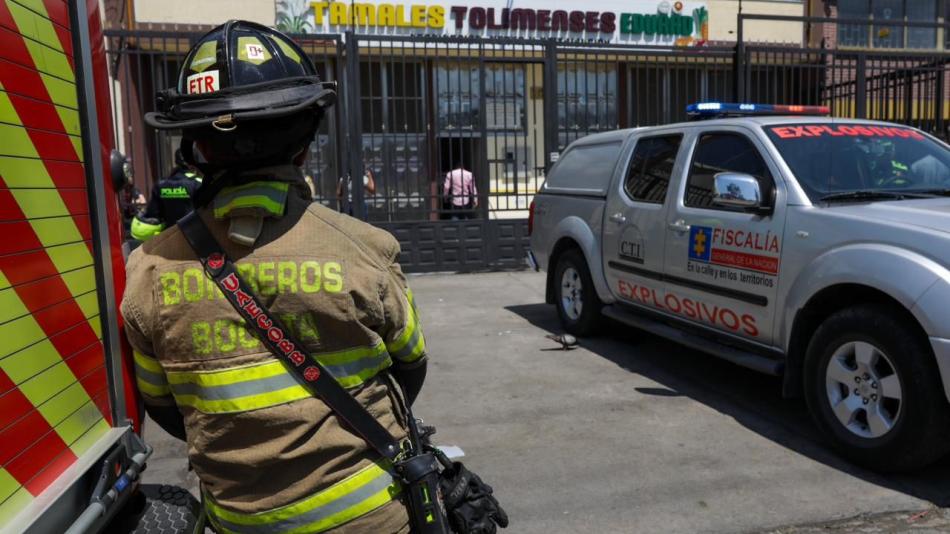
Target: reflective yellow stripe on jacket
(357,495)
(409,345)
(149,376)
(266,384)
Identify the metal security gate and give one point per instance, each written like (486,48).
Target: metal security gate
(444,141)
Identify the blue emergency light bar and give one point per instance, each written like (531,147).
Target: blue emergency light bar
(714,110)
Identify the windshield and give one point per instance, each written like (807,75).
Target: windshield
(830,159)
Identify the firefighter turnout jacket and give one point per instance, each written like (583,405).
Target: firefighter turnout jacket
(170,200)
(270,457)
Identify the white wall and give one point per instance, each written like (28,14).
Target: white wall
(204,11)
(722,21)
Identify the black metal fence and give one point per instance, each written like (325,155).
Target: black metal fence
(415,112)
(859,68)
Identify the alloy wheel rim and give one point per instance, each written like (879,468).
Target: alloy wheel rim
(572,294)
(863,389)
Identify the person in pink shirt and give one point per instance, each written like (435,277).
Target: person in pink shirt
(460,193)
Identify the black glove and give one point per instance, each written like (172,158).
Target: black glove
(469,503)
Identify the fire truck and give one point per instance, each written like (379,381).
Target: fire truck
(71,451)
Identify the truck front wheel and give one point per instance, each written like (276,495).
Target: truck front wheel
(872,386)
(578,305)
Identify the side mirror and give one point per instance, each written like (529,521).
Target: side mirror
(121,169)
(735,190)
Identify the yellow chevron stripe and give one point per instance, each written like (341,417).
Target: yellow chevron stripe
(79,422)
(35,5)
(77,146)
(11,306)
(63,404)
(42,42)
(27,363)
(81,280)
(61,92)
(81,445)
(33,25)
(8,485)
(69,117)
(46,385)
(40,203)
(19,138)
(63,95)
(16,142)
(49,61)
(14,504)
(19,334)
(54,230)
(70,257)
(47,53)
(19,173)
(47,381)
(43,377)
(43,201)
(7,112)
(89,304)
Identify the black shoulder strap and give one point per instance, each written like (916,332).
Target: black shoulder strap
(280,341)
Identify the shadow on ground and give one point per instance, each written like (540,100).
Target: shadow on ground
(752,399)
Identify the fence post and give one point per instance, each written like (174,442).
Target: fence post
(340,117)
(483,185)
(354,126)
(738,65)
(550,104)
(860,87)
(909,97)
(939,93)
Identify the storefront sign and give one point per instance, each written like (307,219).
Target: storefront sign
(635,21)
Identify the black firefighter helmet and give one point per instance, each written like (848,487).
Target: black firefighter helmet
(247,90)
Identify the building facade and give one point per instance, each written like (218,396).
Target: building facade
(447,106)
(502,87)
(880,30)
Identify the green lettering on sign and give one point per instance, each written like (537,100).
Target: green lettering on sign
(657,24)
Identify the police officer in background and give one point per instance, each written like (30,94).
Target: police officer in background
(270,457)
(171,199)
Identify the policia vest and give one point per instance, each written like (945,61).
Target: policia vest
(270,457)
(170,200)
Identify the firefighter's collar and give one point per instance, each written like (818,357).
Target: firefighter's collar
(261,198)
(250,197)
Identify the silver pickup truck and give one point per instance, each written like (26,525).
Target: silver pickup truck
(810,248)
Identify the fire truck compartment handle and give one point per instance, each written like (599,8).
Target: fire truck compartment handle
(100,506)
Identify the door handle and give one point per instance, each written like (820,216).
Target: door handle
(679,226)
(618,218)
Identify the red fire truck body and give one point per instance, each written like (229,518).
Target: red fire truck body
(70,452)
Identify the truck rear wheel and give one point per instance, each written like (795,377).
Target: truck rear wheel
(578,305)
(160,509)
(872,385)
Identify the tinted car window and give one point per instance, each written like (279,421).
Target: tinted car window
(723,152)
(586,167)
(651,167)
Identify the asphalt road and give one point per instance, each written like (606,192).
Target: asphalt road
(628,432)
